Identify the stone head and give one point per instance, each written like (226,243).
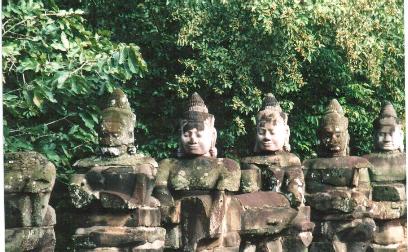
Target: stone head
(117,126)
(333,132)
(272,131)
(198,135)
(388,133)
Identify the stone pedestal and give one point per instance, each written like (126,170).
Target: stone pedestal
(389,200)
(28,181)
(338,191)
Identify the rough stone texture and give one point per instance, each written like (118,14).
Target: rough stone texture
(387,167)
(202,173)
(389,232)
(83,165)
(102,236)
(389,192)
(28,181)
(325,174)
(28,172)
(343,201)
(387,248)
(280,172)
(30,238)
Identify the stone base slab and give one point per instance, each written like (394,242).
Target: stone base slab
(30,238)
(105,236)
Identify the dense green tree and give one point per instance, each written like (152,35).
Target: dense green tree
(231,52)
(56,72)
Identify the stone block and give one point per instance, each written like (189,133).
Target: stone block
(156,246)
(104,249)
(387,210)
(389,192)
(81,194)
(297,242)
(25,210)
(29,239)
(142,216)
(389,232)
(103,236)
(343,201)
(28,172)
(386,248)
(358,230)
(263,212)
(321,246)
(173,237)
(326,172)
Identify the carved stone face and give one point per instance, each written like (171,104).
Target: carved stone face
(197,142)
(271,135)
(389,138)
(334,139)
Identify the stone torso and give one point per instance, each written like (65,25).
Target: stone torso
(325,174)
(202,173)
(387,167)
(280,172)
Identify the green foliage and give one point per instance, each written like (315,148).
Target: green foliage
(56,72)
(231,52)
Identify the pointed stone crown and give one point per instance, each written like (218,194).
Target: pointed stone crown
(334,114)
(119,111)
(196,111)
(118,99)
(387,116)
(271,106)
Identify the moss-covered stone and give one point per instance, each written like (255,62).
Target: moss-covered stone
(387,167)
(100,236)
(202,173)
(83,165)
(28,172)
(389,192)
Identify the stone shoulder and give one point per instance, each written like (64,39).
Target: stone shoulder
(351,162)
(282,159)
(126,159)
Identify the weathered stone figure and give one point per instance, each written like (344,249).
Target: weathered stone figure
(338,189)
(28,181)
(114,189)
(388,182)
(193,189)
(273,225)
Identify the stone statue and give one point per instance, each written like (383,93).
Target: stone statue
(193,189)
(112,190)
(388,181)
(29,219)
(278,172)
(338,189)
(117,126)
(273,162)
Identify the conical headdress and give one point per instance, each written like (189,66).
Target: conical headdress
(334,115)
(387,116)
(196,110)
(271,106)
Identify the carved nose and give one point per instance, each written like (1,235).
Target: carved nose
(193,139)
(387,138)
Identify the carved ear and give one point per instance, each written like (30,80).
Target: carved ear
(213,150)
(286,146)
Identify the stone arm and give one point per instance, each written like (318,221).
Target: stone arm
(162,193)
(230,176)
(294,186)
(250,178)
